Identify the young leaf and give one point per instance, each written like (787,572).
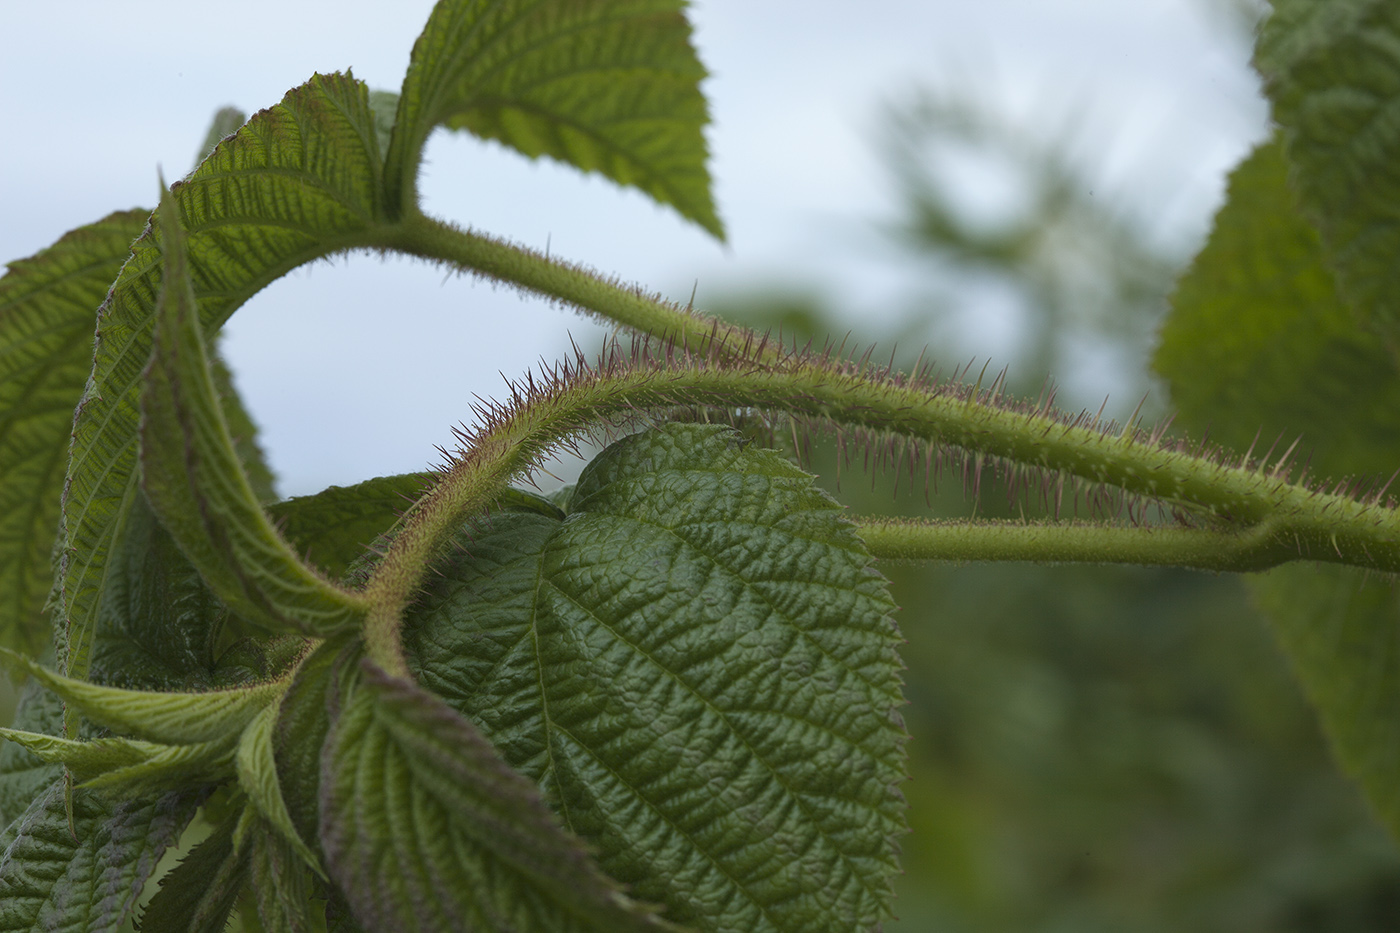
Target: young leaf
(608,86)
(1333,76)
(130,767)
(48,314)
(196,485)
(302,725)
(425,828)
(335,526)
(257,775)
(1259,349)
(282,884)
(88,877)
(156,716)
(199,893)
(699,668)
(298,182)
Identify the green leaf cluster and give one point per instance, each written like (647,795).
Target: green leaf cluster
(667,698)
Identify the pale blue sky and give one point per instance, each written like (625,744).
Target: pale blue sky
(360,368)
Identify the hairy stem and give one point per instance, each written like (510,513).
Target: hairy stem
(627,305)
(1255,548)
(1263,517)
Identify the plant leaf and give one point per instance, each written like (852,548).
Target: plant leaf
(158,624)
(608,86)
(130,767)
(196,485)
(198,894)
(699,667)
(48,314)
(425,828)
(169,717)
(1259,348)
(52,879)
(257,775)
(282,885)
(335,526)
(23,776)
(303,722)
(298,182)
(1257,325)
(1334,78)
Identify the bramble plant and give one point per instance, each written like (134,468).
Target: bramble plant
(666,697)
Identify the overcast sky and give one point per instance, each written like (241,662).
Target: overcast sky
(360,368)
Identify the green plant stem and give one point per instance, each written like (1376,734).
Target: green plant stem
(630,306)
(1262,516)
(1256,548)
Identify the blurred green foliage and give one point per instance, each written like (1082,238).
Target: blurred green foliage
(1093,748)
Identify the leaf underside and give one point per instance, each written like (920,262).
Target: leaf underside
(195,482)
(608,86)
(698,666)
(298,182)
(48,315)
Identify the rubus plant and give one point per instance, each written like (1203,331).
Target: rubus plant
(666,697)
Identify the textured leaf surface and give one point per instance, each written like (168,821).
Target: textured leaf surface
(426,828)
(1256,321)
(298,182)
(699,667)
(303,722)
(198,894)
(48,315)
(334,527)
(609,86)
(23,776)
(257,774)
(156,716)
(50,880)
(282,884)
(158,624)
(196,485)
(130,767)
(1259,344)
(1334,77)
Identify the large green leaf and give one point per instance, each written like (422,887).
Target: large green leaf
(336,526)
(1334,78)
(48,314)
(299,181)
(609,86)
(87,878)
(698,665)
(1259,345)
(426,828)
(1258,338)
(195,482)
